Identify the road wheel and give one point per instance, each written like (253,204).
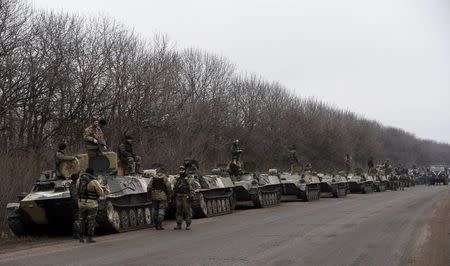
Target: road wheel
(202,206)
(113,217)
(140,216)
(133,218)
(124,219)
(147,216)
(16,224)
(214,206)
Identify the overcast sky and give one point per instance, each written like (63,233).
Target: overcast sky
(388,60)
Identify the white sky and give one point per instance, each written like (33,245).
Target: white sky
(388,60)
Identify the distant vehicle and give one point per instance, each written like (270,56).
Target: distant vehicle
(438,174)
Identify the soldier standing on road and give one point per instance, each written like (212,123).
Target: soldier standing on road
(348,164)
(76,211)
(94,139)
(127,157)
(89,192)
(159,191)
(60,157)
(184,195)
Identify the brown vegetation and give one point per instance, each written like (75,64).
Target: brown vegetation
(57,71)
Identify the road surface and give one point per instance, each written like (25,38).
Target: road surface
(388,228)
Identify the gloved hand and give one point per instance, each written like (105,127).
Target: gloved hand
(95,141)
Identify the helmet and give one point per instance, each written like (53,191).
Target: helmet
(62,146)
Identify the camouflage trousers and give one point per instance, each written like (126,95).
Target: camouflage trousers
(183,209)
(132,165)
(158,211)
(76,219)
(87,221)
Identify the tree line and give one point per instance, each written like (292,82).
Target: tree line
(57,71)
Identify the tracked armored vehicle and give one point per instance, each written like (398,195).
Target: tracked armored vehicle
(381,183)
(333,185)
(305,186)
(213,194)
(360,183)
(438,174)
(260,190)
(50,205)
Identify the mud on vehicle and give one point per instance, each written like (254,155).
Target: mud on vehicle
(304,186)
(360,183)
(334,185)
(261,190)
(50,205)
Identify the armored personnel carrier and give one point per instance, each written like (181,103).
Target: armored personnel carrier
(334,185)
(438,174)
(380,181)
(50,204)
(360,182)
(261,190)
(304,186)
(213,194)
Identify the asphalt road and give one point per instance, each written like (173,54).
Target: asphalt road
(387,228)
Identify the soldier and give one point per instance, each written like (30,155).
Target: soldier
(371,166)
(236,151)
(387,167)
(348,164)
(293,160)
(127,157)
(94,139)
(159,191)
(89,192)
(191,168)
(308,167)
(184,195)
(61,157)
(76,211)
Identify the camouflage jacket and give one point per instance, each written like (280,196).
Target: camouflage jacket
(94,187)
(91,133)
(59,158)
(159,188)
(184,186)
(125,151)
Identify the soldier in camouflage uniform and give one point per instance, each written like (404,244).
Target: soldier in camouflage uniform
(159,191)
(293,160)
(235,166)
(127,157)
(94,139)
(60,157)
(89,192)
(348,164)
(236,151)
(184,195)
(76,211)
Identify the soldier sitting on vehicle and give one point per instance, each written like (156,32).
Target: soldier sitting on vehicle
(89,191)
(127,157)
(60,157)
(94,139)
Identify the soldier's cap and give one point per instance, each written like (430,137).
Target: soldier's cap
(62,146)
(236,141)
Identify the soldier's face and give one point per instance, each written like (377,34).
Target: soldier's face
(95,123)
(181,171)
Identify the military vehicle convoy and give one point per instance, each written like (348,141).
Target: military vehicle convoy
(305,186)
(261,190)
(381,182)
(50,204)
(213,195)
(360,183)
(333,185)
(438,174)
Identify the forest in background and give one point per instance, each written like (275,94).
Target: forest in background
(58,71)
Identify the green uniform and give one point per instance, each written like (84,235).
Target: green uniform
(91,134)
(159,190)
(128,158)
(76,211)
(59,158)
(88,203)
(184,194)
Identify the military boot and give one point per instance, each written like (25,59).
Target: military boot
(188,226)
(159,226)
(76,235)
(81,237)
(90,239)
(177,227)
